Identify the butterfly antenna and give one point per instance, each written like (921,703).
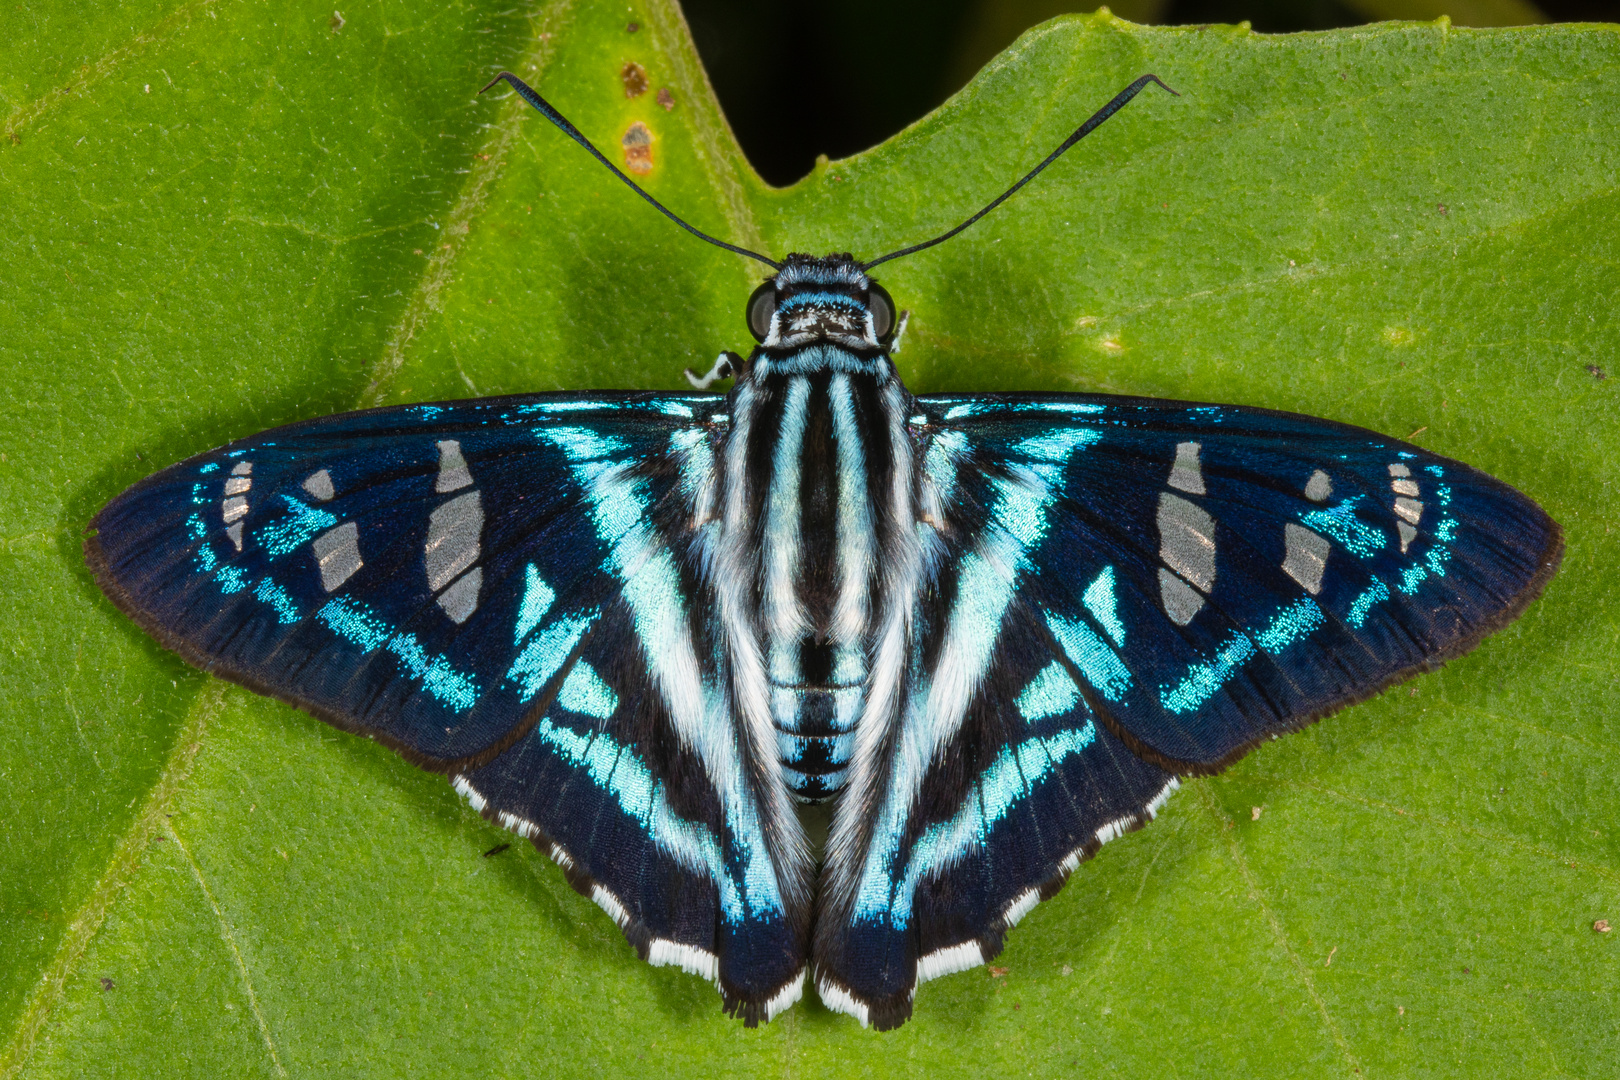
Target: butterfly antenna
(528,94)
(1096,121)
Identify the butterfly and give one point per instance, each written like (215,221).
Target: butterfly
(990,631)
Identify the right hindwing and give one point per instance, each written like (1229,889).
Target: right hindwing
(1119,592)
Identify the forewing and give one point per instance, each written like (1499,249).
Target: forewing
(1122,591)
(505,590)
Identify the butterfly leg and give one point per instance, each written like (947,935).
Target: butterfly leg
(899,332)
(725,366)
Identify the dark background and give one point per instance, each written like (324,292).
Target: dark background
(799,78)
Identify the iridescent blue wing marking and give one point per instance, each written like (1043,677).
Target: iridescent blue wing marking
(1124,591)
(505,590)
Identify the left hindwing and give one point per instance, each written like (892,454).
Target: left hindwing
(1121,591)
(510,591)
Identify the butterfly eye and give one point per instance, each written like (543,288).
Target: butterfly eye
(761,306)
(881,305)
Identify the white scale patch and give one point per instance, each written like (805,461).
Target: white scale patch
(610,904)
(662,952)
(522,826)
(838,999)
(948,961)
(1021,905)
(784,998)
(465,789)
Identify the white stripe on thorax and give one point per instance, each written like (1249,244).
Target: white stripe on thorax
(785,620)
(852,612)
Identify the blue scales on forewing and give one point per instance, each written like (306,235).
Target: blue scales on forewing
(992,630)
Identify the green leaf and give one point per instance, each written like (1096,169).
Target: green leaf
(219,217)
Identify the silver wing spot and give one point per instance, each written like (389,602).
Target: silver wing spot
(460,600)
(453,534)
(1407,508)
(1318,487)
(235,506)
(1181,600)
(453,474)
(338,553)
(1306,557)
(1187,540)
(1186,474)
(235,533)
(320,485)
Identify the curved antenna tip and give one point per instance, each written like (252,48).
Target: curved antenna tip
(545,108)
(509,75)
(1174,92)
(1119,101)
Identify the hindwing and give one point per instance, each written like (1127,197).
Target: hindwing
(509,591)
(1111,593)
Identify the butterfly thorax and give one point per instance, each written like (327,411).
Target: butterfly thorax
(818,443)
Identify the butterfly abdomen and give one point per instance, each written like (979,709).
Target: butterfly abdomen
(818,445)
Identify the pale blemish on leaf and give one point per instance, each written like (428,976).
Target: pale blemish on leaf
(637,143)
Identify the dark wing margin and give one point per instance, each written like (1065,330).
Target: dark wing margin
(473,584)
(1121,592)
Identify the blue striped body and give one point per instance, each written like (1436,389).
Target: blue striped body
(993,631)
(827,439)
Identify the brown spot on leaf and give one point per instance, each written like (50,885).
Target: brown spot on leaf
(497,849)
(665,98)
(1591,369)
(631,28)
(998,973)
(634,77)
(107,984)
(1601,926)
(1440,207)
(337,21)
(1254,813)
(637,143)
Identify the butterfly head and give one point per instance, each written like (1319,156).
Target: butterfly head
(827,299)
